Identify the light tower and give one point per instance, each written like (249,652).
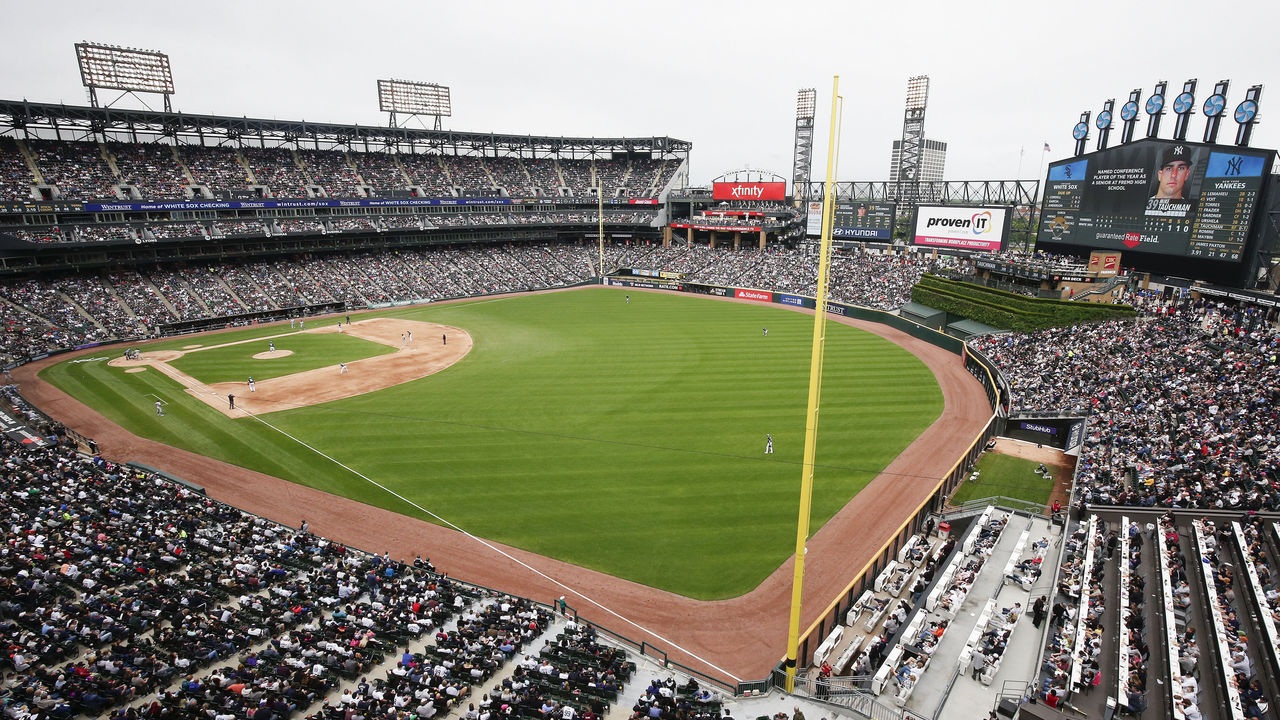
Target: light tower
(912,148)
(802,164)
(131,71)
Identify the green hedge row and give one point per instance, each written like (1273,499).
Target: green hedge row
(1009,310)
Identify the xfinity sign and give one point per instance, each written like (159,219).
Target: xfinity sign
(966,228)
(749,191)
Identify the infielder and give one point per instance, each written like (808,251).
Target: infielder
(444,339)
(768,444)
(342,368)
(231,401)
(271,345)
(252,386)
(159,408)
(410,335)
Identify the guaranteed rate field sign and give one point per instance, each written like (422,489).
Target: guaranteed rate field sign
(627,437)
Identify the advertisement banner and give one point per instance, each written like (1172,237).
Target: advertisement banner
(796,300)
(642,201)
(719,228)
(749,191)
(762,295)
(813,225)
(968,228)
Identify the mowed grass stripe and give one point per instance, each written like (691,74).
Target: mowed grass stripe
(628,438)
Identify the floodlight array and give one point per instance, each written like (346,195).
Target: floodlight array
(806,103)
(917,92)
(112,67)
(414,98)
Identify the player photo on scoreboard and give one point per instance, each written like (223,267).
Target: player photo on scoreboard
(1172,191)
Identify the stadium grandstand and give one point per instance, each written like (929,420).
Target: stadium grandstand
(128,592)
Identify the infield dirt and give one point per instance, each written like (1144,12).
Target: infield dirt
(426,354)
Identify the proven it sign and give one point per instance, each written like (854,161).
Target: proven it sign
(968,228)
(749,191)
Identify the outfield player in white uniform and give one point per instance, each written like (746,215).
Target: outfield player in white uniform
(159,408)
(768,444)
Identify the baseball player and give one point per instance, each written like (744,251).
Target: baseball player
(231,401)
(628,299)
(302,324)
(339,328)
(768,444)
(293,323)
(410,335)
(252,386)
(444,338)
(404,341)
(766,332)
(159,408)
(271,345)
(342,368)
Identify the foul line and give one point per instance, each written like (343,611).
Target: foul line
(491,546)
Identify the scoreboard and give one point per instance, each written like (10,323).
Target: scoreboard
(863,219)
(1157,196)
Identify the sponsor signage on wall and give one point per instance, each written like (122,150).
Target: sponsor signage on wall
(969,228)
(761,295)
(749,191)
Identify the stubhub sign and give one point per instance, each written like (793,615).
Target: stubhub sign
(969,228)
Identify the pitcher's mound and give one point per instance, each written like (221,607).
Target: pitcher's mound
(272,354)
(136,369)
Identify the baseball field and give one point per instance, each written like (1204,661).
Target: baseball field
(623,436)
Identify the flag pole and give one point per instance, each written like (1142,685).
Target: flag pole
(815,392)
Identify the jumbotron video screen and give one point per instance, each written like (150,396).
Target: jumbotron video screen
(867,220)
(1157,196)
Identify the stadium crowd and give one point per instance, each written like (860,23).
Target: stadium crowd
(1182,401)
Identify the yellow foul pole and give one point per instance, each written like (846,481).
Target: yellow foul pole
(815,392)
(600,232)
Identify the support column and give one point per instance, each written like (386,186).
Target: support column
(666,236)
(763,235)
(737,240)
(713,239)
(689,238)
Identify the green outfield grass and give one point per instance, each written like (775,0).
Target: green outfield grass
(1005,475)
(235,363)
(625,437)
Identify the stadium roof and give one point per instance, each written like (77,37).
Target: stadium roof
(126,125)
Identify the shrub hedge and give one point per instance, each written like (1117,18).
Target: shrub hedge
(1007,310)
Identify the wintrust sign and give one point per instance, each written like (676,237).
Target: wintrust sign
(749,191)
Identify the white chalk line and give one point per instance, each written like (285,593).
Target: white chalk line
(491,546)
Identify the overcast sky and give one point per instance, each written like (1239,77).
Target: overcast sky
(1005,77)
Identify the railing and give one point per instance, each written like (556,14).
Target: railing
(977,505)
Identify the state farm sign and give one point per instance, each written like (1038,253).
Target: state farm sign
(753,295)
(749,191)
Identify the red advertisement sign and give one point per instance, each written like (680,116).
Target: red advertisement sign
(643,201)
(720,228)
(753,295)
(749,191)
